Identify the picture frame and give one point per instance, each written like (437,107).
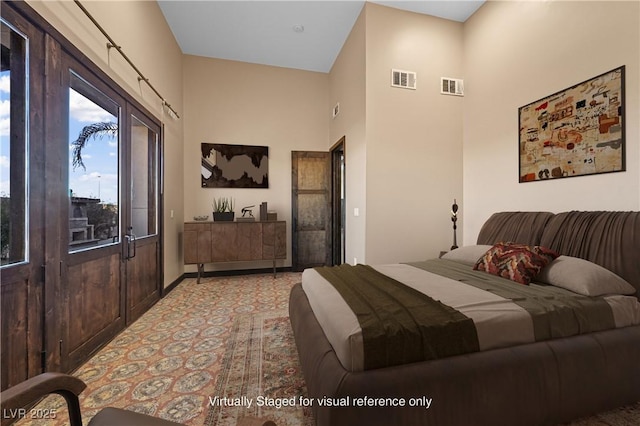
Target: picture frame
(577,131)
(234,166)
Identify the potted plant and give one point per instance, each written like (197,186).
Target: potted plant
(223,209)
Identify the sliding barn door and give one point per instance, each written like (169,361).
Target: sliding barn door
(311,209)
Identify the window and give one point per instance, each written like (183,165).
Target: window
(144,185)
(94,218)
(13,147)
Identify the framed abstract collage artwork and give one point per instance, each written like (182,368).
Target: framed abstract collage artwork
(575,132)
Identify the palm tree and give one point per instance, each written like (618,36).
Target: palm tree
(104,217)
(95,130)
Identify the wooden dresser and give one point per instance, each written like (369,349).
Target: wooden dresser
(211,242)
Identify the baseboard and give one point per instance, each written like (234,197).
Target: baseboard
(173,285)
(230,273)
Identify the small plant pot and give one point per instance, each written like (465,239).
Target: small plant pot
(223,216)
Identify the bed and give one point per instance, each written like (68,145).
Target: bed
(543,382)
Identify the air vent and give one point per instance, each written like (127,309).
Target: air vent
(451,86)
(403,79)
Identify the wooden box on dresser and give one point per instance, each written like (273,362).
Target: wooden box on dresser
(212,242)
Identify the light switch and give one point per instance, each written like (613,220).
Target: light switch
(356,211)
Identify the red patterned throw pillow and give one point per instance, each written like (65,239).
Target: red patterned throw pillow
(517,262)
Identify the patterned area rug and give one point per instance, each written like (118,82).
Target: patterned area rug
(260,374)
(166,363)
(623,416)
(225,337)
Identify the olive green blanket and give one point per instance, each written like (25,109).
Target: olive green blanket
(399,324)
(555,312)
(402,325)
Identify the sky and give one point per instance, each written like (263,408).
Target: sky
(4,132)
(100,156)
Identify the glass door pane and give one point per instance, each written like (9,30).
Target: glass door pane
(13,148)
(94,219)
(144,182)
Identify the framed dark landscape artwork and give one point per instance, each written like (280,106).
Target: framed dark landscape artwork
(575,132)
(234,166)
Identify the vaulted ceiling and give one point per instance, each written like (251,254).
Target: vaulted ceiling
(301,34)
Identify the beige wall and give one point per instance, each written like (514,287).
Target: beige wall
(414,137)
(239,103)
(517,52)
(409,153)
(140,29)
(347,86)
(403,147)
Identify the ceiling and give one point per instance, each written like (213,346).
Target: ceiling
(264,32)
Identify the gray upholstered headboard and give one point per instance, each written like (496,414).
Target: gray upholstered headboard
(517,227)
(610,239)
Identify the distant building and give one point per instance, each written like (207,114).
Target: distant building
(81,233)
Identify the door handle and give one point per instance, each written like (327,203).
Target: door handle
(132,239)
(129,239)
(125,247)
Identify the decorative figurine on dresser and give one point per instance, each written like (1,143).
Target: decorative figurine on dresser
(244,217)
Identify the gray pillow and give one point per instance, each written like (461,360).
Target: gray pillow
(583,277)
(466,254)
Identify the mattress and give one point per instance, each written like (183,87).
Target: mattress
(499,321)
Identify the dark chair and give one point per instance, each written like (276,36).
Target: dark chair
(24,394)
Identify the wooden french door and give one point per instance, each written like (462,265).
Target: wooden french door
(110,249)
(80,252)
(141,244)
(91,248)
(22,196)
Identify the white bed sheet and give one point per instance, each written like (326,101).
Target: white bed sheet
(499,322)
